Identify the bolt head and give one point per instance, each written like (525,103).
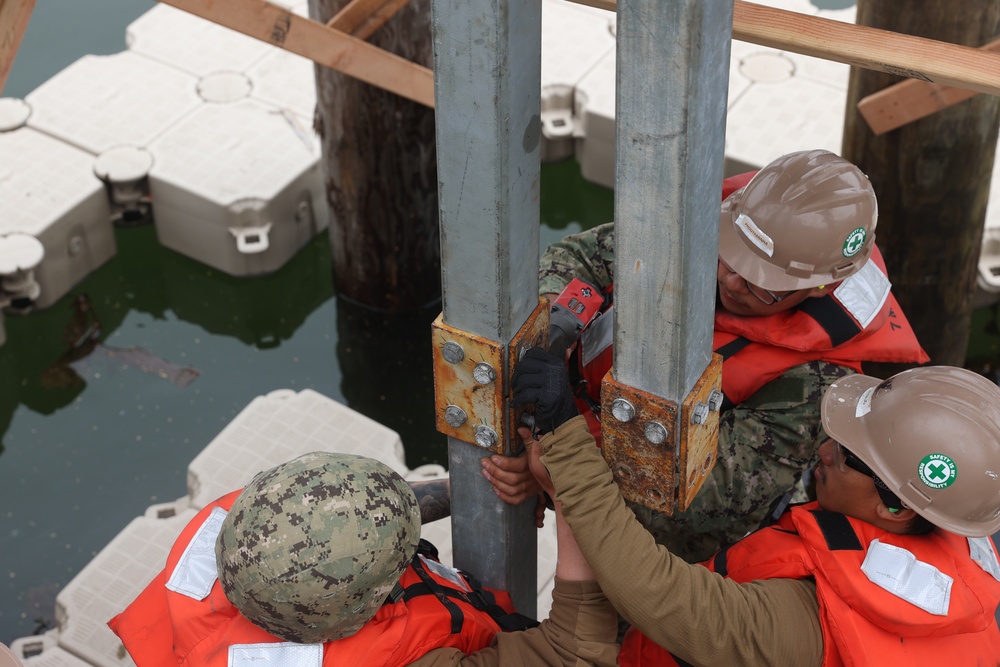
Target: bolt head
(622,410)
(486,437)
(700,414)
(715,400)
(452,352)
(483,373)
(656,433)
(455,416)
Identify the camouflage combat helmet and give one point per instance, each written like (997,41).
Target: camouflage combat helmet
(804,220)
(932,434)
(311,548)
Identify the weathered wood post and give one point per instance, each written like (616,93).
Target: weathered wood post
(380,169)
(931,177)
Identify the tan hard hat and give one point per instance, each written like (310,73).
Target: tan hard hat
(807,219)
(932,435)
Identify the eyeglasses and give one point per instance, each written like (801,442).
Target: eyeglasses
(846,457)
(765,296)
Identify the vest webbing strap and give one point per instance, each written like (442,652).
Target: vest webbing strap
(479,598)
(839,326)
(438,591)
(726,352)
(837,530)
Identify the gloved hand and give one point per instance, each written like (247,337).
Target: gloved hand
(540,379)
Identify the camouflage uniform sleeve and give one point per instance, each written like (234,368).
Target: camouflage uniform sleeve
(588,255)
(580,630)
(765,444)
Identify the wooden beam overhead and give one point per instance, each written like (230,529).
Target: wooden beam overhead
(911,100)
(320,43)
(14,17)
(361,18)
(882,50)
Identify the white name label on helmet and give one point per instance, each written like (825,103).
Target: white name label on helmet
(445,572)
(982,552)
(285,654)
(755,234)
(898,571)
(864,405)
(196,570)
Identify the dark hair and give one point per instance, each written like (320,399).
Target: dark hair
(918,525)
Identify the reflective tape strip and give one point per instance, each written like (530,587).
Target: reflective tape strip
(447,573)
(983,553)
(864,293)
(598,336)
(898,571)
(196,571)
(284,654)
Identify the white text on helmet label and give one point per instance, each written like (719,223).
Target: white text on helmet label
(285,654)
(864,405)
(898,571)
(755,234)
(196,570)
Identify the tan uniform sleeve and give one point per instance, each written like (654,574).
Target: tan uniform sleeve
(580,630)
(697,615)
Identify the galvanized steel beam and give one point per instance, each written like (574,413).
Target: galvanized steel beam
(487,78)
(672,83)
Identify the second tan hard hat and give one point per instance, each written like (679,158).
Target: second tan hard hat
(804,220)
(932,435)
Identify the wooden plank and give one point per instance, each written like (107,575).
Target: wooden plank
(360,18)
(14,16)
(911,100)
(882,50)
(320,43)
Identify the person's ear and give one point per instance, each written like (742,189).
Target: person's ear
(822,290)
(901,516)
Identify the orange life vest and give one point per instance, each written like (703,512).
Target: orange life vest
(863,621)
(433,606)
(859,320)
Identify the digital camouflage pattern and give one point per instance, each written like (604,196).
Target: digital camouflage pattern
(765,443)
(311,548)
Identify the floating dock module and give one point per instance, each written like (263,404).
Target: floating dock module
(574,39)
(279,427)
(48,190)
(237,185)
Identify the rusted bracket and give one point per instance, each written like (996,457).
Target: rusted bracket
(472,381)
(659,458)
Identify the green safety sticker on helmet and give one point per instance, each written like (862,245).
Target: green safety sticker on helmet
(937,471)
(855,242)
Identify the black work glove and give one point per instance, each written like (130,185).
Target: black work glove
(541,380)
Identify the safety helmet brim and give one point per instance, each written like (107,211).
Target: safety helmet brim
(914,421)
(735,251)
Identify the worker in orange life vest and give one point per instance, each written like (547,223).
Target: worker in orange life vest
(892,564)
(802,300)
(317,562)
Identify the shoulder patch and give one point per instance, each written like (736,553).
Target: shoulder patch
(981,551)
(286,654)
(864,293)
(196,571)
(898,571)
